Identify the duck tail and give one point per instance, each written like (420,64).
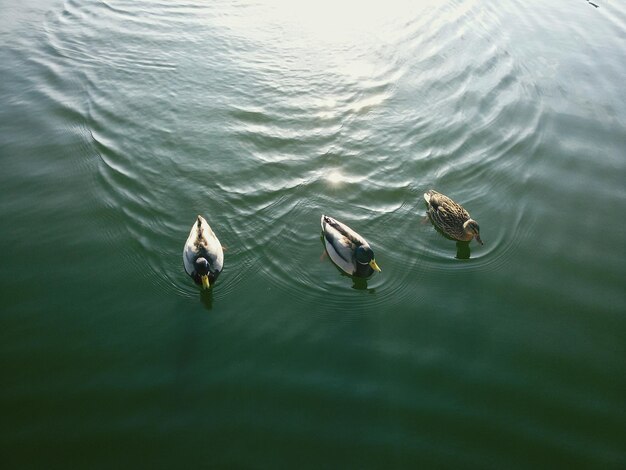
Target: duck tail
(427,195)
(199,221)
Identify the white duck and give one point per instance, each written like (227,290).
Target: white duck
(347,249)
(203,256)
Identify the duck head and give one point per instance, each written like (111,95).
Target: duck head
(472,230)
(202,268)
(365,255)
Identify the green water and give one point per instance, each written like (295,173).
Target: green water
(120,121)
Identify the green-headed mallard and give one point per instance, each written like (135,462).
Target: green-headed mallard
(451,218)
(347,249)
(203,256)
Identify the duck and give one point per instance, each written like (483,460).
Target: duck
(203,256)
(347,249)
(451,218)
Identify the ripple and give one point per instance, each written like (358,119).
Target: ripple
(298,153)
(261,121)
(293,261)
(89,46)
(500,241)
(237,266)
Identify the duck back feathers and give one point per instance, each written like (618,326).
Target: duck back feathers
(203,243)
(342,243)
(447,216)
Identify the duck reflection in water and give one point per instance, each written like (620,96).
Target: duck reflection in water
(463,250)
(206,297)
(358,283)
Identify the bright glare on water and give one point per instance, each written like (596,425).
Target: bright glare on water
(122,120)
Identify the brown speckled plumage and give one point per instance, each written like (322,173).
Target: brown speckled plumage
(451,218)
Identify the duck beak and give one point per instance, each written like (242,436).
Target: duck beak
(375,266)
(479,240)
(205,282)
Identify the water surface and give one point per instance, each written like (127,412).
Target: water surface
(120,121)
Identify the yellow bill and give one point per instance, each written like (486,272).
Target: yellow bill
(205,281)
(375,266)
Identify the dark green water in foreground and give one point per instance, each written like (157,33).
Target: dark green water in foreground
(120,121)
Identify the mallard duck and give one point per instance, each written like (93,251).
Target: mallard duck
(347,249)
(450,217)
(203,256)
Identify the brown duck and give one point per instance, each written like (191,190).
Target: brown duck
(451,218)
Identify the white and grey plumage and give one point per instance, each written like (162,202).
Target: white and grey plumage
(347,249)
(451,218)
(203,256)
